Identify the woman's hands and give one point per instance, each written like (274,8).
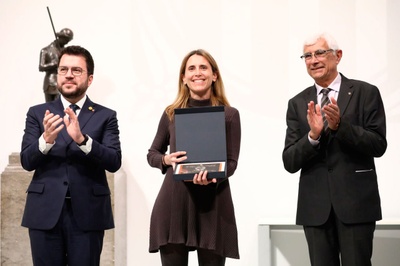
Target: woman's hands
(173,158)
(180,156)
(201,179)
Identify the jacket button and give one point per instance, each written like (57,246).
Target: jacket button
(65,183)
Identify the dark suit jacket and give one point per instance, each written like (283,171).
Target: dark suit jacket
(340,172)
(66,165)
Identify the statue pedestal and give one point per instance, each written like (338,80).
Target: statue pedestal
(15,246)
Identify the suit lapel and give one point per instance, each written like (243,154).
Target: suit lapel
(56,108)
(310,95)
(87,111)
(345,94)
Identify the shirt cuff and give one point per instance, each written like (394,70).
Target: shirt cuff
(87,147)
(43,146)
(314,142)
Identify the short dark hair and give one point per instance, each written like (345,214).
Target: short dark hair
(80,51)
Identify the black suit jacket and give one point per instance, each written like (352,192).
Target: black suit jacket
(66,166)
(340,171)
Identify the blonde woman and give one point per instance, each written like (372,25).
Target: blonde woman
(196,215)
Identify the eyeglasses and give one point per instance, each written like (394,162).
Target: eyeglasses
(317,54)
(76,71)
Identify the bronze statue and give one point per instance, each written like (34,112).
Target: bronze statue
(49,57)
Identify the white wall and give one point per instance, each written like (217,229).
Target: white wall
(138,47)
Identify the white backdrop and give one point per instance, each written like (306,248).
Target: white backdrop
(138,46)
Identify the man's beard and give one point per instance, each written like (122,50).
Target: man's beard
(77,93)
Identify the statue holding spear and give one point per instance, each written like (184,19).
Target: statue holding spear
(49,57)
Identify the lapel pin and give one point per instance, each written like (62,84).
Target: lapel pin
(91,108)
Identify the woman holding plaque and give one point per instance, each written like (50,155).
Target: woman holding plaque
(196,215)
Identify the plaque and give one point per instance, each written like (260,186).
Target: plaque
(200,131)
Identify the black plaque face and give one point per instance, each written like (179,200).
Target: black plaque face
(200,131)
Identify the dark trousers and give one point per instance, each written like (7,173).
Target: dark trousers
(66,243)
(335,242)
(178,255)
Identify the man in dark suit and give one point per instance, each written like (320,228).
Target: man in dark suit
(68,204)
(338,201)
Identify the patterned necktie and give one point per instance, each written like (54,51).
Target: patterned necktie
(325,100)
(74,107)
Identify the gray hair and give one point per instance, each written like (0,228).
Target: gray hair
(332,44)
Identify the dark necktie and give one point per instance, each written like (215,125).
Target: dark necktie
(325,100)
(74,107)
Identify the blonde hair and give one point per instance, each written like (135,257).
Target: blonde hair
(218,96)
